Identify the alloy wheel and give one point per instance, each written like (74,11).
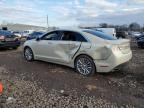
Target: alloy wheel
(85,66)
(28,54)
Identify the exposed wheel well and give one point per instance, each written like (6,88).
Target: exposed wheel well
(82,55)
(26,47)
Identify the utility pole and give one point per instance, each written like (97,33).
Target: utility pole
(47,22)
(143,28)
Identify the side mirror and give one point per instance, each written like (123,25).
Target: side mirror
(38,39)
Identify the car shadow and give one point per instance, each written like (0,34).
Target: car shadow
(6,49)
(54,65)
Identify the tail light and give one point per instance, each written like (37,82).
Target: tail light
(2,38)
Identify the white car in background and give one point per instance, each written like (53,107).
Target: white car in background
(109,31)
(26,33)
(88,51)
(18,34)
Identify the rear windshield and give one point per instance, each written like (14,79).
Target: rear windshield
(5,33)
(100,34)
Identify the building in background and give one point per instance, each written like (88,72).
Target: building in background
(22,27)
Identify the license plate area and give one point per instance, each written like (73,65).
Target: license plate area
(9,39)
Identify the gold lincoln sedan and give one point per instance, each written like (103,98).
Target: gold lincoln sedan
(88,51)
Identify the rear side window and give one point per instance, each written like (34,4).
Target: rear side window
(100,34)
(72,36)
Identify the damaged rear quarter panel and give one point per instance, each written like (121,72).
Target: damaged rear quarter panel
(99,52)
(96,51)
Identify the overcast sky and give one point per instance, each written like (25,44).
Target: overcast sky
(72,12)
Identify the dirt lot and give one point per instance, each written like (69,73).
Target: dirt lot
(44,85)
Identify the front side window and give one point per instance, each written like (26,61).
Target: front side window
(36,34)
(51,36)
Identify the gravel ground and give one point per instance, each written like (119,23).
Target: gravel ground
(44,85)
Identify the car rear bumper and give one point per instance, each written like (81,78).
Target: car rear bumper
(112,62)
(9,44)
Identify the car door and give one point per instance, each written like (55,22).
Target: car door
(45,47)
(75,41)
(51,48)
(65,48)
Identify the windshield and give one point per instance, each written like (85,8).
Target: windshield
(100,34)
(35,34)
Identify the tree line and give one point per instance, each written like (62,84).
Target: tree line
(131,27)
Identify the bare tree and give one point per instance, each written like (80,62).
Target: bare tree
(134,26)
(103,25)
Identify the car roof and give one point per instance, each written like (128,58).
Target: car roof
(71,29)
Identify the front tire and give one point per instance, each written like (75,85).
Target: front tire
(28,54)
(85,65)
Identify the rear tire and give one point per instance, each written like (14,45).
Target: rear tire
(85,65)
(28,54)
